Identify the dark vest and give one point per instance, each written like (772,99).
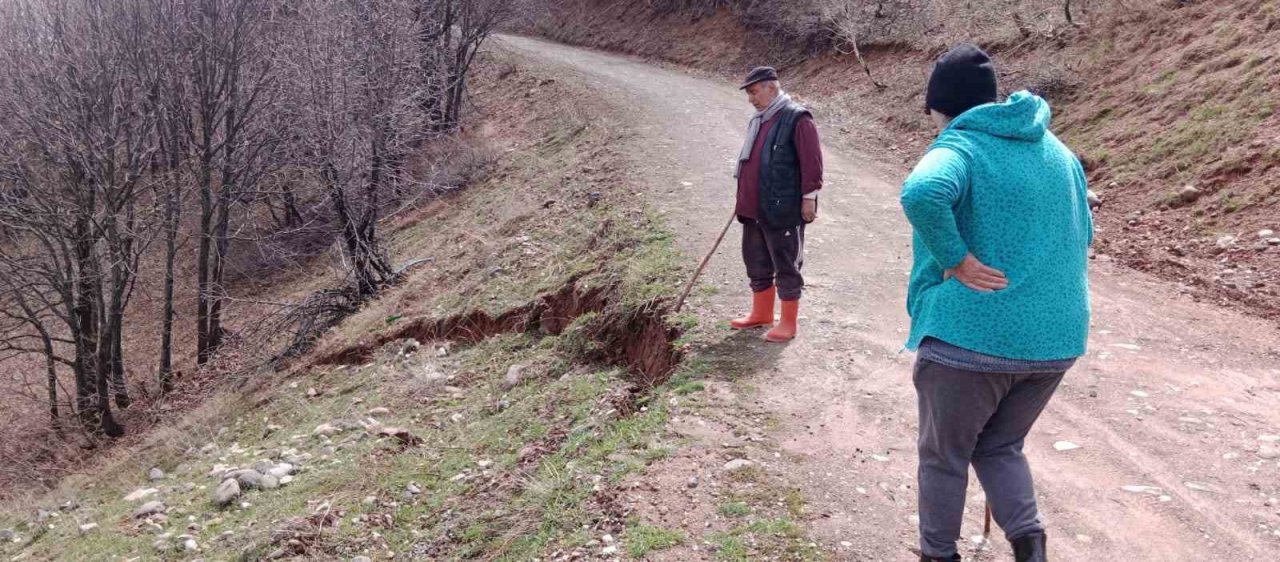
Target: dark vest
(780,192)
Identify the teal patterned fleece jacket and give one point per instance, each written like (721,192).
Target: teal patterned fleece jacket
(998,184)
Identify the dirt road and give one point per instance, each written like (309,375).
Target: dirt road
(1176,408)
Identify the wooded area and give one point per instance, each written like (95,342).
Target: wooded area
(143,138)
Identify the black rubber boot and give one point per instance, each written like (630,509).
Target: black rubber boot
(953,558)
(1030,548)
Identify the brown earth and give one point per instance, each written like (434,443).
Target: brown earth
(1154,96)
(1179,396)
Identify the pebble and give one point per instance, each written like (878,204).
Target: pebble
(515,375)
(692,483)
(413,489)
(846,544)
(286,479)
(379,412)
(362,559)
(140,494)
(155,474)
(609,550)
(371,500)
(1267,452)
(149,508)
(190,545)
(1266,233)
(84,528)
(737,464)
(1136,489)
(1271,502)
(485,463)
(1065,446)
(457,418)
(1084,538)
(326,430)
(1139,393)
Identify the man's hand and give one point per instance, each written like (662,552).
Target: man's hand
(977,276)
(809,209)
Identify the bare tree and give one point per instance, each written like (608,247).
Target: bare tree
(79,138)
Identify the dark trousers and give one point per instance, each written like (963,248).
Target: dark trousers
(774,257)
(981,419)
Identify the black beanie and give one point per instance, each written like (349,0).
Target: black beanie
(962,79)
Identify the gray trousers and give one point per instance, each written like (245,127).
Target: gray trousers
(981,419)
(774,256)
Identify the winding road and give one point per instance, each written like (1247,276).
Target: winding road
(1175,409)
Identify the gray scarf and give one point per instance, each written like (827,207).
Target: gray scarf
(753,128)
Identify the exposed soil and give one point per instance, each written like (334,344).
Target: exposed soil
(1176,395)
(640,340)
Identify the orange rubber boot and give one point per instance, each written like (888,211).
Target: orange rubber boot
(761,310)
(786,328)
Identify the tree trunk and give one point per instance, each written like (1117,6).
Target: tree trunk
(170,255)
(203,350)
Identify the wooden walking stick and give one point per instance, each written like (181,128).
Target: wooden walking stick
(703,265)
(986,528)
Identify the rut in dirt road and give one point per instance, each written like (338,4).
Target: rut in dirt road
(1175,409)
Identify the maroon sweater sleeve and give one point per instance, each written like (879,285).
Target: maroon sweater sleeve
(809,150)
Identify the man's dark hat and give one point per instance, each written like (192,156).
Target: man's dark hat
(759,74)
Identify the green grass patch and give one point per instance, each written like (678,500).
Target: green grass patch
(734,509)
(643,539)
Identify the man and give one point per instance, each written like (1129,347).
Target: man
(779,174)
(998,297)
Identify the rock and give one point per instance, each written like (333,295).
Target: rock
(1266,233)
(1094,200)
(327,451)
(609,550)
(141,494)
(1200,487)
(270,482)
(371,500)
(484,463)
(286,479)
(608,539)
(190,545)
(161,545)
(326,430)
(376,412)
(1139,393)
(1065,446)
(1189,194)
(737,464)
(312,393)
(515,375)
(6,535)
(456,418)
(208,448)
(247,478)
(1273,241)
(1271,502)
(281,470)
(155,474)
(1136,489)
(362,559)
(1267,452)
(83,529)
(413,489)
(1226,241)
(227,492)
(264,466)
(692,483)
(400,434)
(149,508)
